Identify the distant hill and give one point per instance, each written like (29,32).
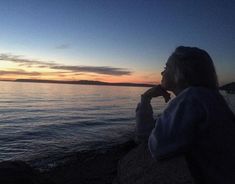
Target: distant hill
(230,88)
(85,82)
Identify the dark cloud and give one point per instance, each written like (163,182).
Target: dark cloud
(63,46)
(106,70)
(19,72)
(92,69)
(25,62)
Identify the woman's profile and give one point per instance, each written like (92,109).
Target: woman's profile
(197,123)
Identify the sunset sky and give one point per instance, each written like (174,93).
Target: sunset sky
(111,40)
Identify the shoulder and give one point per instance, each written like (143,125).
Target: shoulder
(197,97)
(186,96)
(197,93)
(192,97)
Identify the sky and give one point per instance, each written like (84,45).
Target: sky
(110,40)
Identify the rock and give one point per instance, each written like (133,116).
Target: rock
(91,167)
(230,88)
(138,167)
(135,166)
(18,172)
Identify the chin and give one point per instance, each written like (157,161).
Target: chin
(164,87)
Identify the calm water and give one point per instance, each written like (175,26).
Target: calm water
(51,120)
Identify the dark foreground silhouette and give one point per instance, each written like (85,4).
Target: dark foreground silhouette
(127,163)
(96,167)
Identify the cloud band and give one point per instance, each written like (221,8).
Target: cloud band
(106,70)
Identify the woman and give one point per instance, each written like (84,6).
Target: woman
(196,123)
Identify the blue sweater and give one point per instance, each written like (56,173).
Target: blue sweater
(197,123)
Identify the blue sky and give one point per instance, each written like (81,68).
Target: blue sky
(111,40)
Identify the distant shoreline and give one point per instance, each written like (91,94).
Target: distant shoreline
(230,87)
(81,82)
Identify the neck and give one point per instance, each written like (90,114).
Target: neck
(177,91)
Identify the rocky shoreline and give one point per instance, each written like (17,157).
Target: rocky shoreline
(88,167)
(93,167)
(127,163)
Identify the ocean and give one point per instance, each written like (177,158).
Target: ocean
(41,123)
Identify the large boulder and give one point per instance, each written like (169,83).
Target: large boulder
(138,167)
(90,167)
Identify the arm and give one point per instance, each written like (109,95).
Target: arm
(144,113)
(175,130)
(144,119)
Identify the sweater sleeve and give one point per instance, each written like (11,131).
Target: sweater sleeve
(175,129)
(144,119)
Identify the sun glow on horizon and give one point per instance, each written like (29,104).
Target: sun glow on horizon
(138,78)
(14,67)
